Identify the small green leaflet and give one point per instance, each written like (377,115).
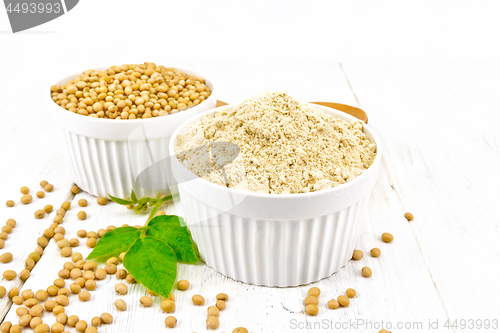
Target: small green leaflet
(134,197)
(120,201)
(152,263)
(168,229)
(115,242)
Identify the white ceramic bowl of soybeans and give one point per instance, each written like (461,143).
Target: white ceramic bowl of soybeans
(275,239)
(115,124)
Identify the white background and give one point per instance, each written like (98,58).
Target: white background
(426,72)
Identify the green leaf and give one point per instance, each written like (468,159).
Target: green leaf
(120,201)
(152,263)
(134,197)
(168,229)
(115,242)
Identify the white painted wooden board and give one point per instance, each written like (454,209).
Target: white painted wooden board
(394,293)
(440,124)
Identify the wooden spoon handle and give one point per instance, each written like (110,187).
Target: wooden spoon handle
(353,111)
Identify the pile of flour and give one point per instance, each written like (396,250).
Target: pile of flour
(286,146)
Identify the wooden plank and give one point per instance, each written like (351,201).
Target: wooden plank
(394,293)
(439,126)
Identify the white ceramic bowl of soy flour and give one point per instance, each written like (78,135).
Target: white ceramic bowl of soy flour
(250,228)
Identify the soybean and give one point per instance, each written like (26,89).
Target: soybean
(171,321)
(48,208)
(366,271)
(5,327)
(13,292)
(121,288)
(312,309)
(7,229)
(343,300)
(350,293)
(387,237)
(130,278)
(66,205)
(24,320)
(75,189)
(222,297)
(39,214)
(66,251)
(198,300)
(21,311)
(102,201)
(25,190)
(49,305)
(314,291)
(146,301)
(212,323)
(35,322)
(121,305)
(48,188)
(90,266)
(75,288)
(84,296)
(220,304)
(121,274)
(333,304)
(91,242)
(106,318)
(10,203)
(18,329)
(41,295)
(213,311)
(82,215)
(57,328)
(26,199)
(6,257)
(90,285)
(9,275)
(52,290)
(357,254)
(375,252)
(62,300)
(110,268)
(75,257)
(81,326)
(100,274)
(182,284)
(27,294)
(40,194)
(167,305)
(96,321)
(58,309)
(72,320)
(311,300)
(240,330)
(409,216)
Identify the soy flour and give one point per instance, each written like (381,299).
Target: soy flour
(286,146)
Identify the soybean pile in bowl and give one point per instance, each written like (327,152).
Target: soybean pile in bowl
(116,124)
(270,239)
